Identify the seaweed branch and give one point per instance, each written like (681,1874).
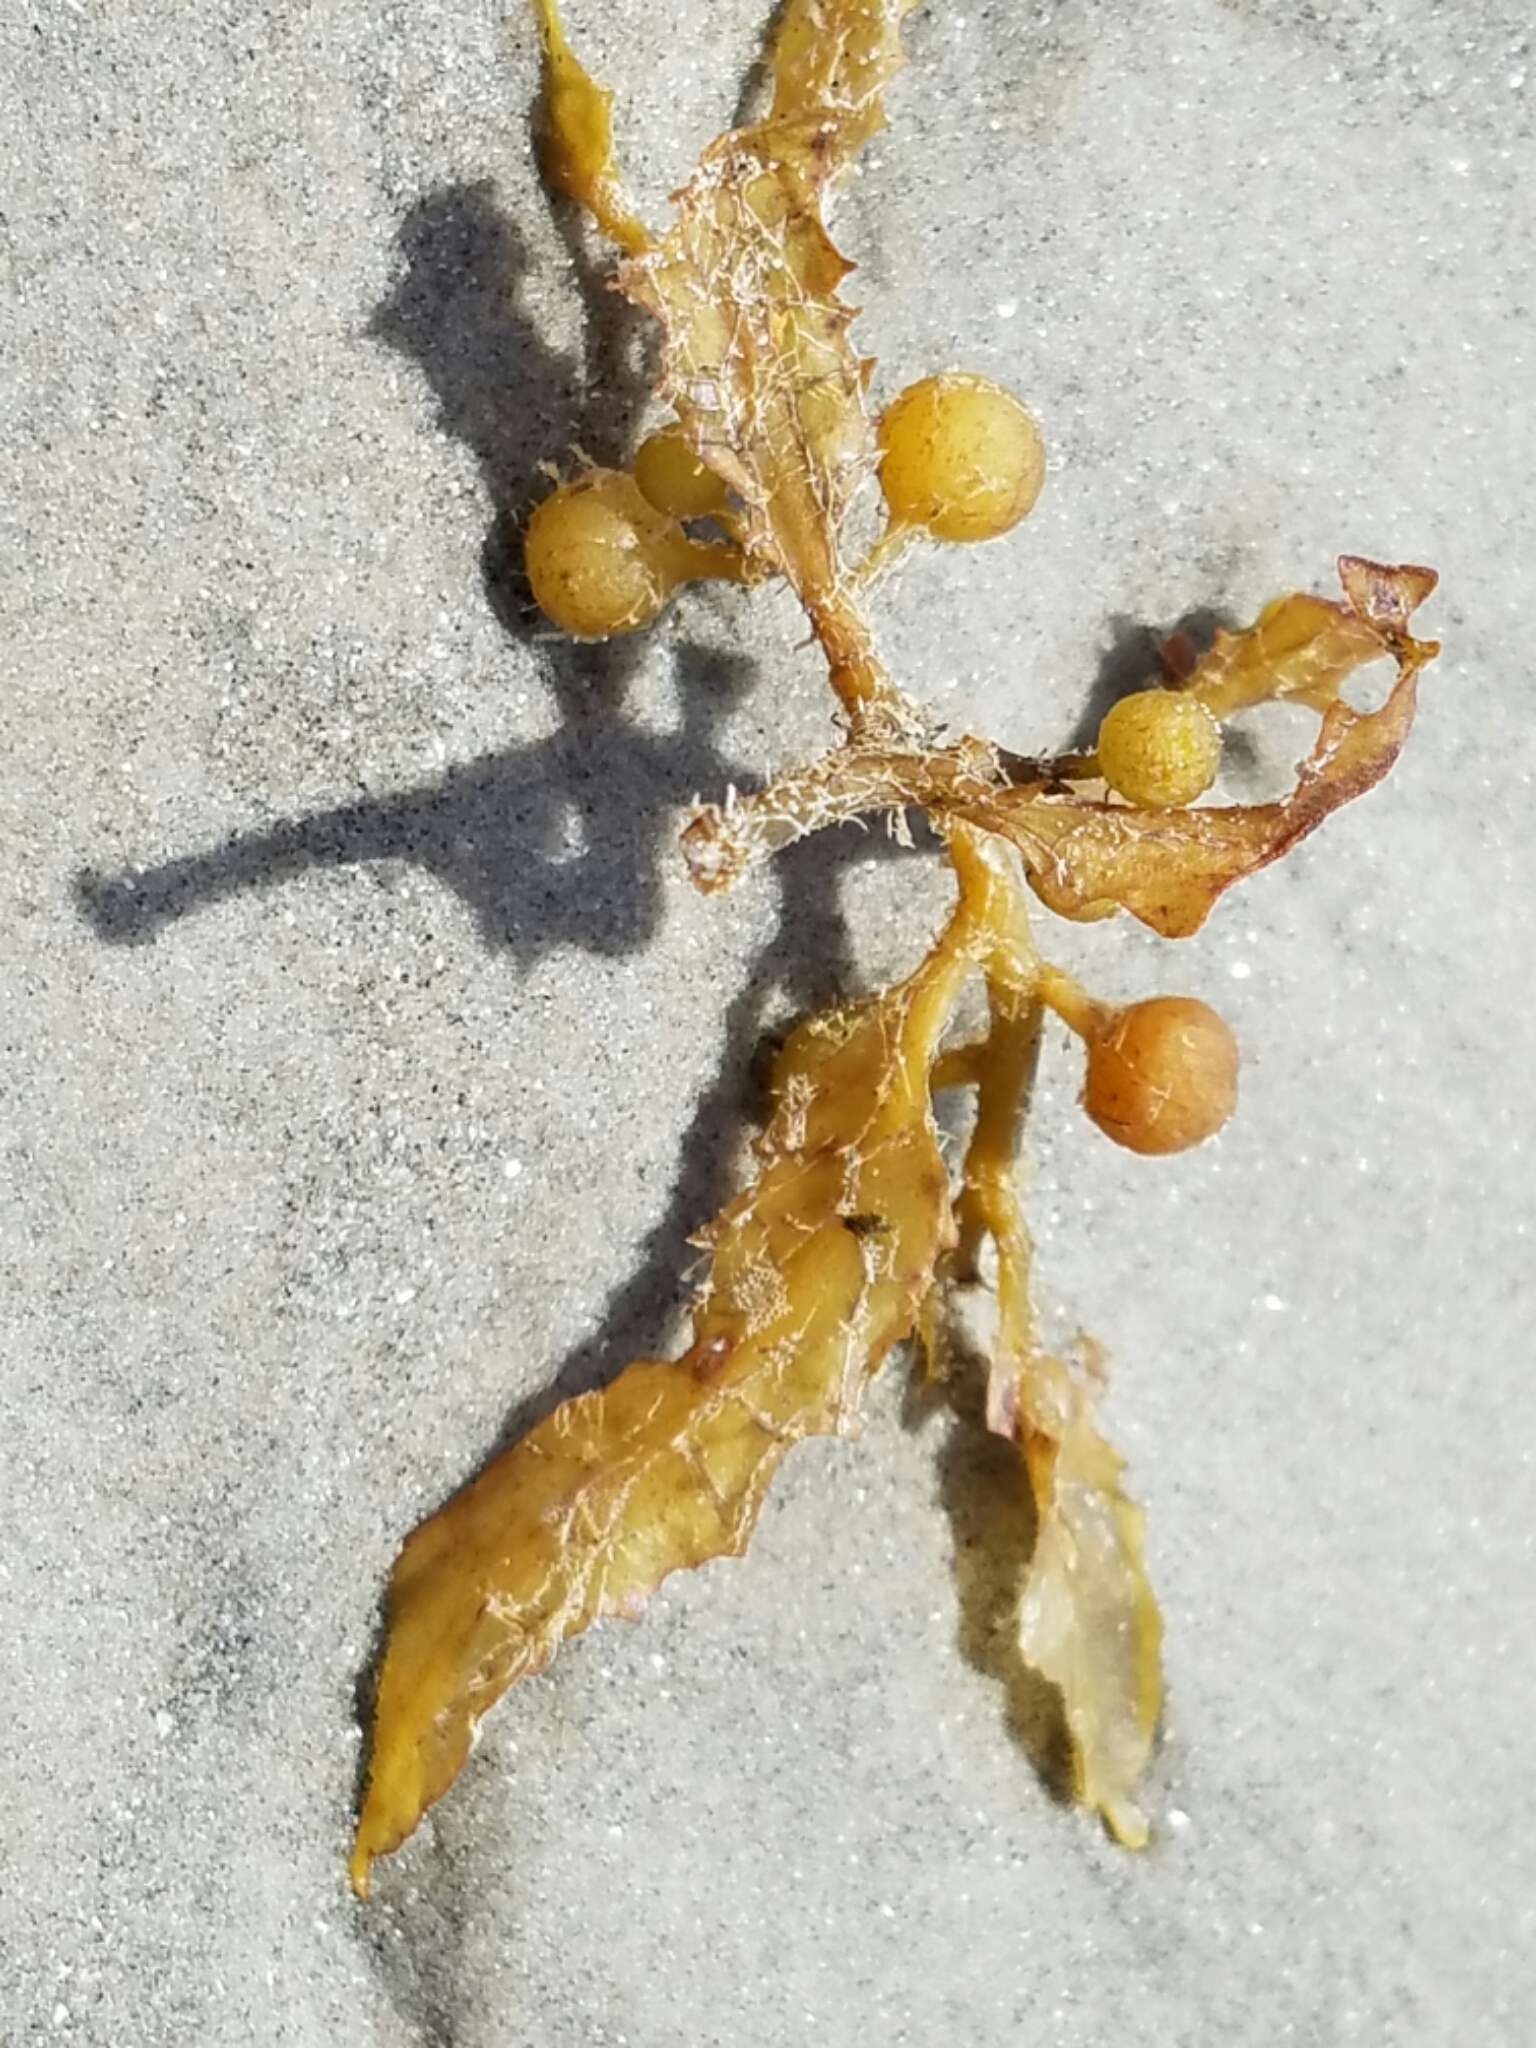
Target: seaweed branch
(851,1238)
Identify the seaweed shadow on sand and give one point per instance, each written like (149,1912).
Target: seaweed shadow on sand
(557,842)
(993,1525)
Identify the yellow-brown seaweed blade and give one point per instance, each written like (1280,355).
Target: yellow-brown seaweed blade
(817,1270)
(1168,867)
(576,147)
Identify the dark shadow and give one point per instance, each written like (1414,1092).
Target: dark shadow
(556,843)
(457,312)
(985,1495)
(418,1945)
(1134,661)
(752,100)
(552,844)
